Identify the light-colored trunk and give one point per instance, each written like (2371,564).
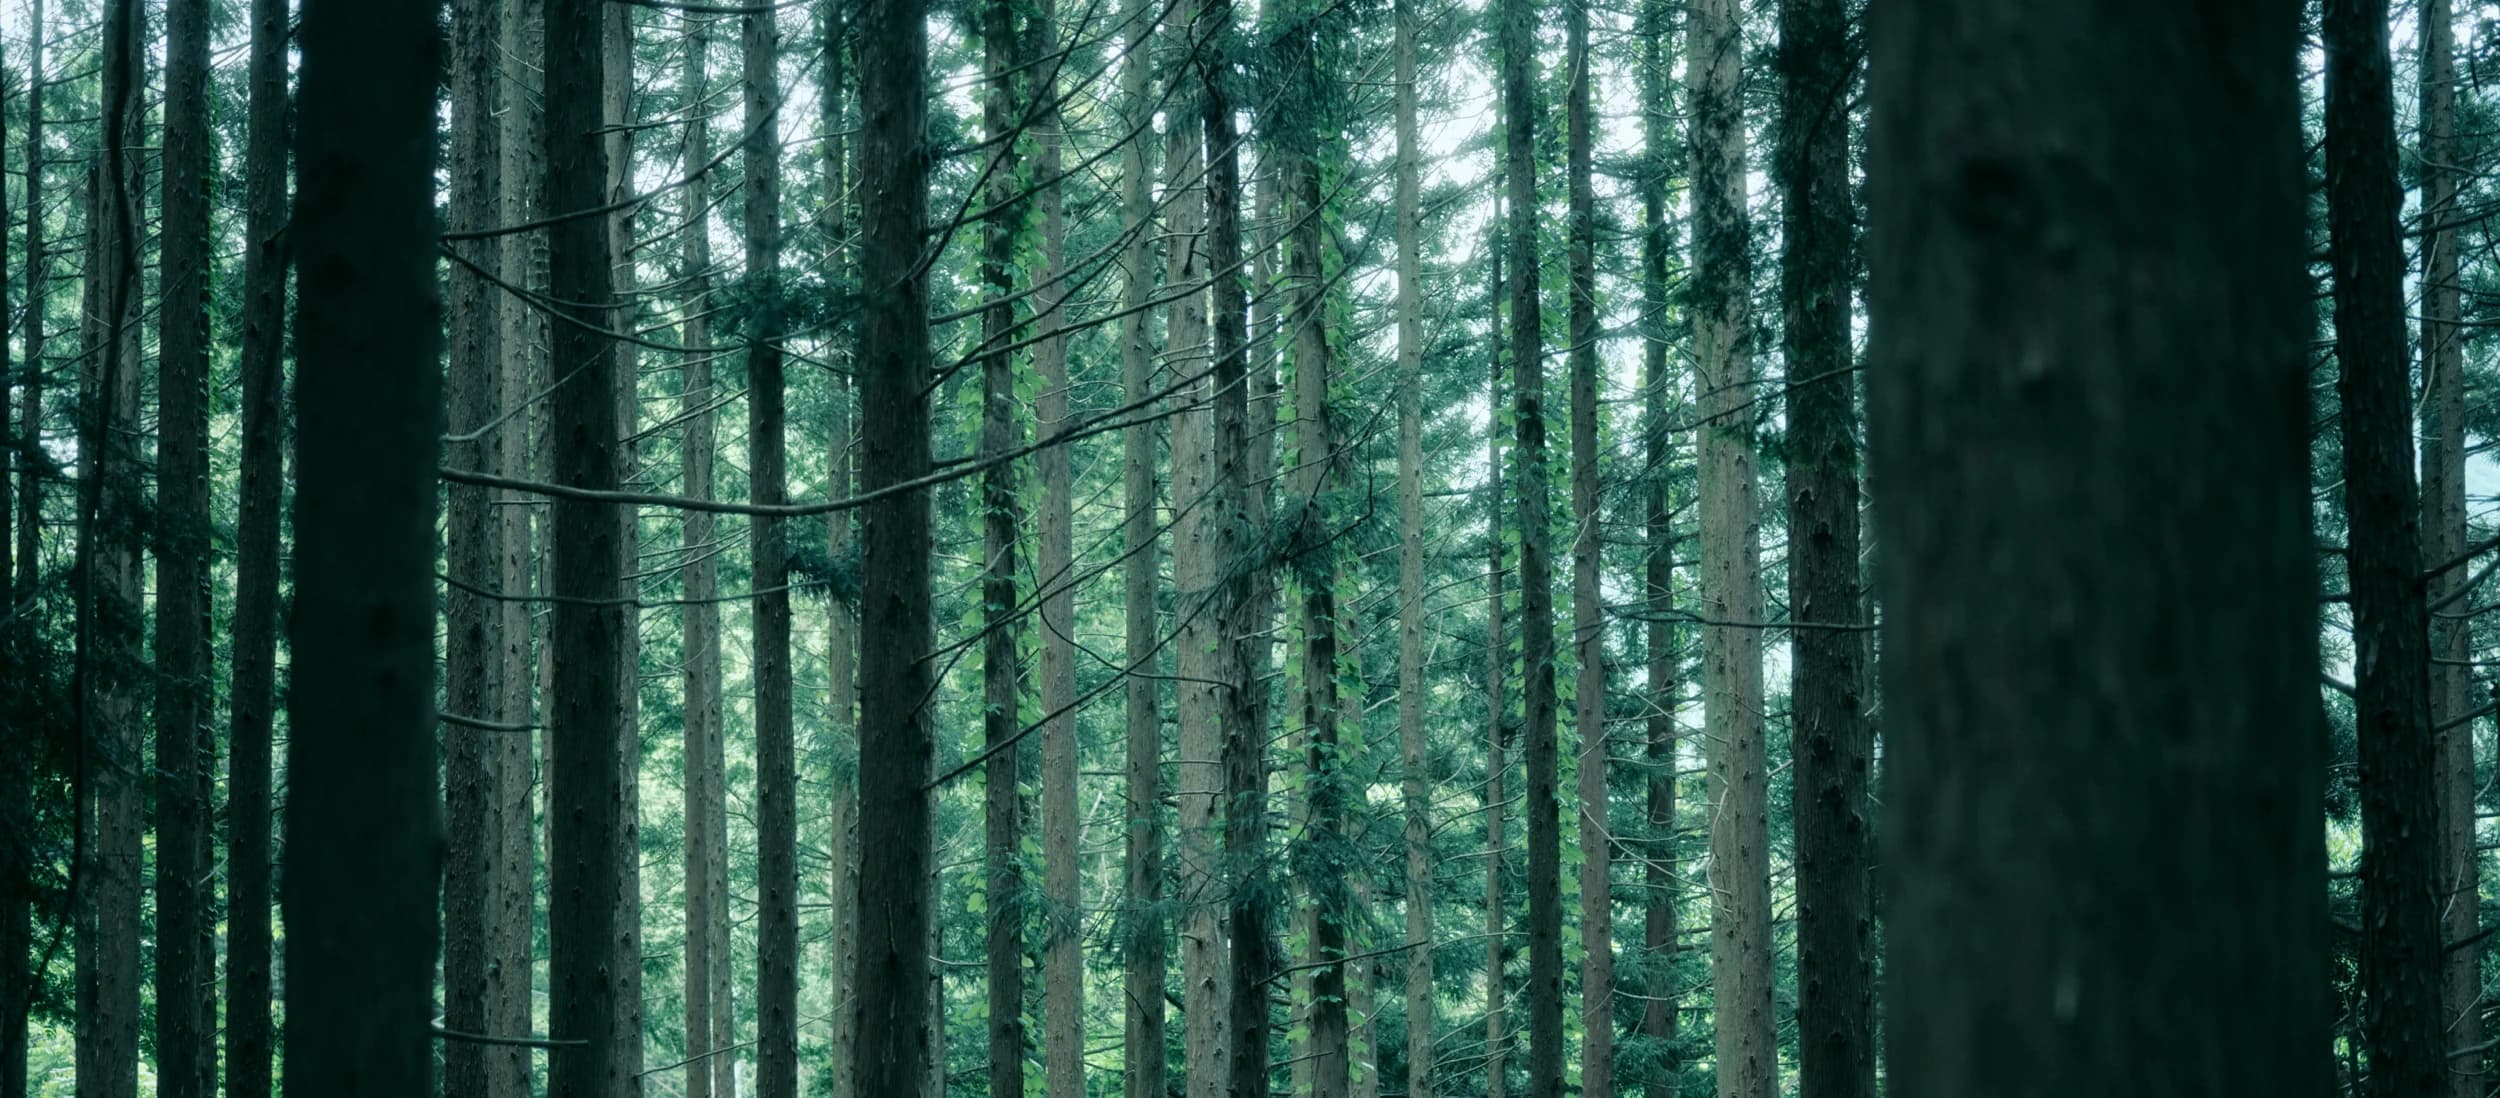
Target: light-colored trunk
(1497,706)
(1063,961)
(1415,782)
(616,110)
(1588,613)
(705,886)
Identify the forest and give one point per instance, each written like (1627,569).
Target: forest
(1196,549)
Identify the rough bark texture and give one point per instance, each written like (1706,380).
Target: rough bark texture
(1496,673)
(616,111)
(896,1045)
(841,616)
(186,954)
(584,808)
(112,670)
(361,887)
(1063,962)
(1145,946)
(706,883)
(1201,546)
(473,536)
(1415,767)
(2400,947)
(512,946)
(1542,803)
(2090,330)
(1731,565)
(1662,998)
(1588,611)
(2444,539)
(1831,746)
(776,766)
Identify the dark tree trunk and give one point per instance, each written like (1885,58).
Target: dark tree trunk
(363,870)
(1831,746)
(584,808)
(1496,668)
(1588,612)
(1662,998)
(2096,888)
(896,1025)
(1146,950)
(1002,664)
(776,767)
(2401,1024)
(21,650)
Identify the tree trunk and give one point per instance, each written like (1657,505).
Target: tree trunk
(616,108)
(1063,962)
(1662,995)
(1536,567)
(1201,540)
(2400,946)
(1496,671)
(22,639)
(1415,784)
(186,1042)
(473,550)
(895,1022)
(512,945)
(2057,370)
(1588,611)
(585,809)
(706,811)
(30,476)
(1145,948)
(1731,564)
(2443,540)
(362,874)
(841,617)
(111,670)
(1831,746)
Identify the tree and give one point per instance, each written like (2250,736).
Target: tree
(1831,748)
(2400,946)
(895,1048)
(2443,540)
(583,804)
(706,885)
(364,848)
(1731,564)
(616,108)
(1662,999)
(1496,663)
(2042,917)
(1415,784)
(1588,611)
(1148,957)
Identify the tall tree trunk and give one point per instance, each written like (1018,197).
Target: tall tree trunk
(186,1042)
(1536,567)
(2443,539)
(896,1027)
(585,809)
(30,475)
(1662,997)
(616,108)
(1496,672)
(1831,746)
(1145,949)
(1731,563)
(2036,807)
(111,670)
(706,885)
(473,550)
(1002,666)
(1200,541)
(1588,611)
(1415,784)
(776,769)
(842,617)
(1063,962)
(362,877)
(22,638)
(2400,946)
(512,937)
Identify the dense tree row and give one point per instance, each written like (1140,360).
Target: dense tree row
(1024,546)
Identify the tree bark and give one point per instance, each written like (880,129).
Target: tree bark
(1588,611)
(186,1049)
(30,477)
(1731,564)
(1663,997)
(111,670)
(1831,746)
(706,883)
(2444,539)
(473,537)
(585,808)
(1146,950)
(362,879)
(1063,962)
(1415,784)
(842,617)
(616,108)
(2059,367)
(1496,672)
(1536,567)
(2400,947)
(896,1023)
